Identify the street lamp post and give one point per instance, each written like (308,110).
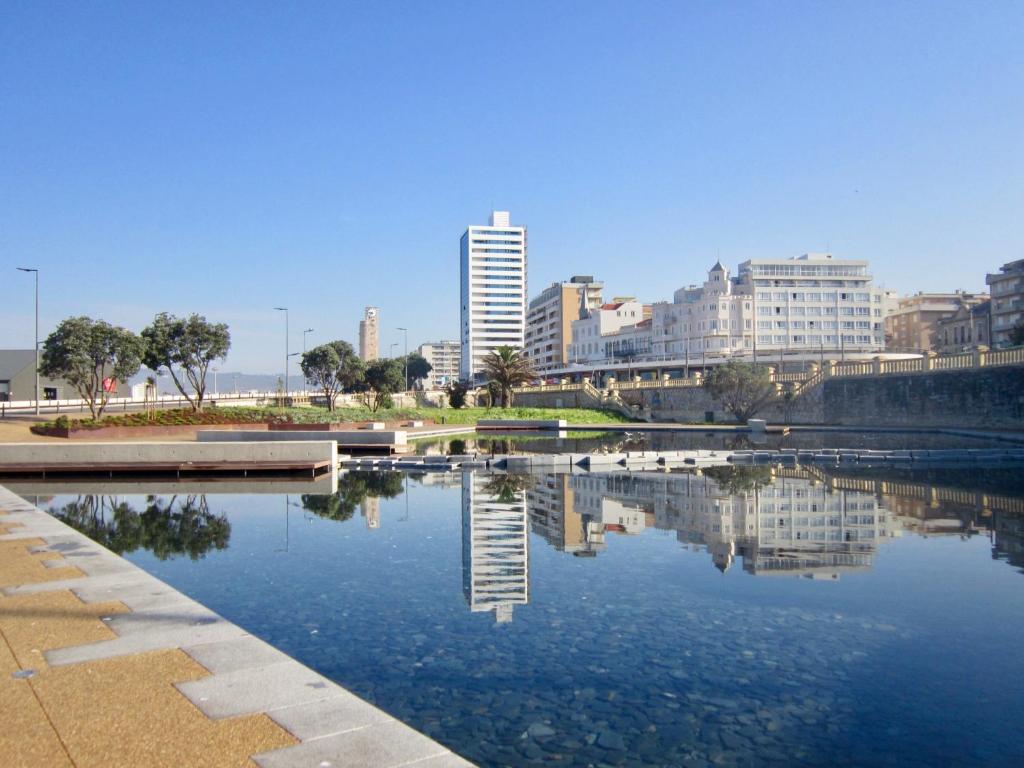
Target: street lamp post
(287,357)
(308,330)
(405,331)
(36,271)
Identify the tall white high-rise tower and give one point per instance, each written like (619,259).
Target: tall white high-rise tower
(493,297)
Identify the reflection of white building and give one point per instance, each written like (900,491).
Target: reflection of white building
(791,524)
(495,547)
(370,510)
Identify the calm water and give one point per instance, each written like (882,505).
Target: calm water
(586,442)
(740,617)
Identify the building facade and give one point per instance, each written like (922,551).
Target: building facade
(444,358)
(965,330)
(550,317)
(797,310)
(914,326)
(616,330)
(1007,287)
(814,302)
(18,380)
(493,261)
(369,334)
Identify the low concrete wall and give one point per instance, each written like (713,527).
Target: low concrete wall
(982,398)
(341,437)
(499,424)
(55,454)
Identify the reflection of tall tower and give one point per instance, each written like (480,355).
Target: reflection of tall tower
(495,550)
(370,510)
(369,339)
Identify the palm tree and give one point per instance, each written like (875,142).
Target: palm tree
(507,367)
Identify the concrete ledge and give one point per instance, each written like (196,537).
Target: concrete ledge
(539,424)
(343,438)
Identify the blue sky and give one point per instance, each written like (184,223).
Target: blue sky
(228,158)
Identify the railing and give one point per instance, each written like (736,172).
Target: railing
(806,380)
(124,404)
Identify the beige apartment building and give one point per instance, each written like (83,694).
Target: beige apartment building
(550,317)
(1007,287)
(444,358)
(965,330)
(914,326)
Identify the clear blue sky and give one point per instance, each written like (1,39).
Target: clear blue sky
(229,157)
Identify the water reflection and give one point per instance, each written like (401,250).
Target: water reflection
(797,521)
(495,543)
(168,526)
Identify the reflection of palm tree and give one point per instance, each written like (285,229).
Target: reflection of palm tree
(353,489)
(506,488)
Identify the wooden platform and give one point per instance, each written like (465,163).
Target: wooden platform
(165,468)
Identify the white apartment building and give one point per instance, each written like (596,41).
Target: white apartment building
(799,308)
(444,357)
(550,317)
(815,302)
(493,296)
(612,331)
(715,318)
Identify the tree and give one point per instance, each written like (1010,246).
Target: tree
(1017,333)
(508,368)
(353,490)
(456,391)
(382,378)
(185,347)
(743,389)
(418,368)
(333,368)
(92,356)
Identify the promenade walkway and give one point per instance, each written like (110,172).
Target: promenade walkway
(102,664)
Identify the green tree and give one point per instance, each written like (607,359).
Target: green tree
(186,347)
(418,369)
(456,391)
(508,368)
(382,378)
(333,368)
(743,389)
(90,354)
(1017,333)
(737,480)
(508,489)
(353,489)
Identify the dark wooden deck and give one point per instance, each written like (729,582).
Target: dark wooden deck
(166,468)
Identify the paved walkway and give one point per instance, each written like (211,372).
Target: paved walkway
(102,664)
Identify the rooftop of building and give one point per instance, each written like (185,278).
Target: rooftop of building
(14,361)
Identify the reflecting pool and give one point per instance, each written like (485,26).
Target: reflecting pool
(734,616)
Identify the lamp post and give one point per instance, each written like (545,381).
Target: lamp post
(287,357)
(308,330)
(36,272)
(215,380)
(405,331)
(391,349)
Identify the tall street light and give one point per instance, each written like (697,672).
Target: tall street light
(406,332)
(308,330)
(287,357)
(36,271)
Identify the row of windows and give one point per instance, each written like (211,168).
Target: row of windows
(816,340)
(812,296)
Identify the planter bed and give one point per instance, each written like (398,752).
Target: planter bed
(141,431)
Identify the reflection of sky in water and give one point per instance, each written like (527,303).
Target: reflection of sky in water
(645,653)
